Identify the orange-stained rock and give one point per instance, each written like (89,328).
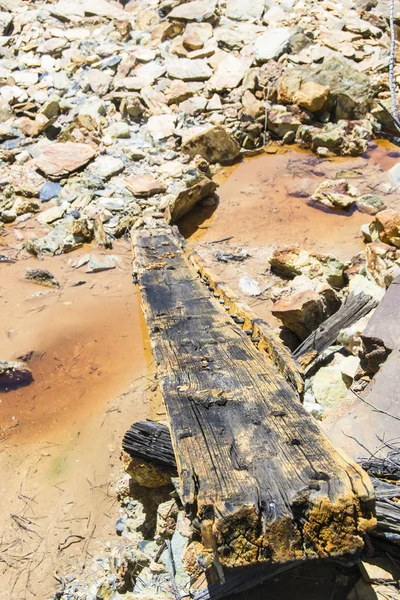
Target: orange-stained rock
(301,313)
(387,226)
(312,96)
(59,160)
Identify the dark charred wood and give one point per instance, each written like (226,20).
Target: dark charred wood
(385,470)
(150,441)
(257,474)
(353,308)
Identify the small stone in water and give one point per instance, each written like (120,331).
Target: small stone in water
(49,190)
(120,526)
(97,264)
(42,277)
(248,286)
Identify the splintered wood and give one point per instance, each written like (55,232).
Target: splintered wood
(258,476)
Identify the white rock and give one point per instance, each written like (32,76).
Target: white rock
(93,107)
(99,81)
(188,70)
(61,81)
(347,365)
(69,8)
(245,10)
(272,44)
(394,173)
(78,33)
(198,10)
(13,92)
(248,286)
(161,126)
(229,73)
(150,71)
(350,337)
(102,8)
(25,78)
(362,285)
(173,168)
(106,166)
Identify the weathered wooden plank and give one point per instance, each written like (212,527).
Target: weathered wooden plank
(258,330)
(353,308)
(256,471)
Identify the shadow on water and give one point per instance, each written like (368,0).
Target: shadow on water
(198,219)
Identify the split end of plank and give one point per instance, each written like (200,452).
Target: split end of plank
(246,537)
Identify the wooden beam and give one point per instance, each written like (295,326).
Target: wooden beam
(258,330)
(256,471)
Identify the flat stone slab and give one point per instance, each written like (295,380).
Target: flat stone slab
(385,324)
(364,420)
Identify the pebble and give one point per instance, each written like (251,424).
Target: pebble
(49,191)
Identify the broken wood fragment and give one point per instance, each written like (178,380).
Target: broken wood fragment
(353,308)
(251,461)
(150,441)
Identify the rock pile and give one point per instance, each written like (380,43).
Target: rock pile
(111,112)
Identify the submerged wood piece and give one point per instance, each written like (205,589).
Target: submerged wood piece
(353,308)
(150,441)
(259,331)
(257,473)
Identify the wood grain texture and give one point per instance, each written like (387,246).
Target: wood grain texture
(256,328)
(150,441)
(353,308)
(256,471)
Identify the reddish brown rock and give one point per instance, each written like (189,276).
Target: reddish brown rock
(192,41)
(33,127)
(59,160)
(312,96)
(144,185)
(387,227)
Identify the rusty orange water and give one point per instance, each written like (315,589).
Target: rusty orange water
(265,201)
(86,340)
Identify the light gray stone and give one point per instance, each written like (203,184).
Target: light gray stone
(229,73)
(106,166)
(51,214)
(161,127)
(188,70)
(272,44)
(245,10)
(198,10)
